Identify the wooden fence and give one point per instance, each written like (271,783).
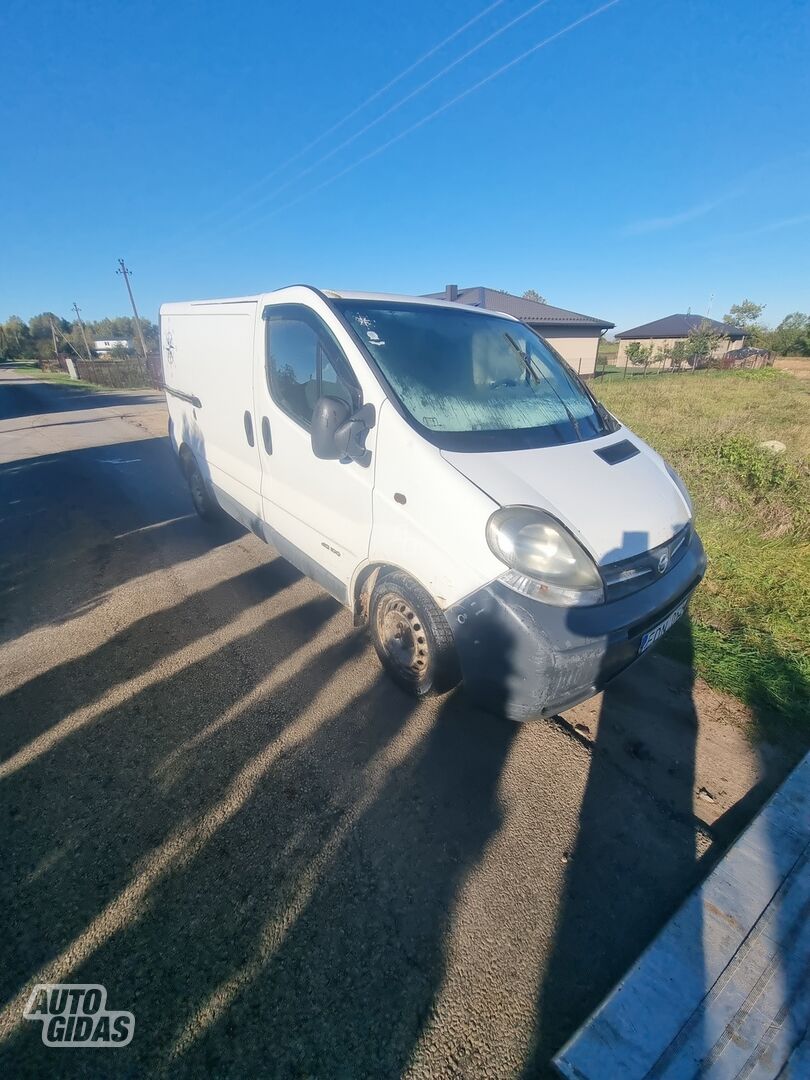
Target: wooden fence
(132,372)
(605,369)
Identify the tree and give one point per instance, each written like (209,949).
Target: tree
(639,355)
(746,315)
(792,336)
(15,339)
(533,294)
(39,327)
(33,340)
(677,355)
(123,328)
(701,345)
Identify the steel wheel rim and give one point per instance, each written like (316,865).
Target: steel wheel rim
(403,637)
(197,489)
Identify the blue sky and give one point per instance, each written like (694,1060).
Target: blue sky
(653,155)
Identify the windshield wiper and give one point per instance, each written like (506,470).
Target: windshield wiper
(533,372)
(530,371)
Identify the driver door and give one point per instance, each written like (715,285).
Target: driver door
(318,512)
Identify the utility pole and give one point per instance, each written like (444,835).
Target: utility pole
(55,346)
(71,367)
(125,272)
(84,332)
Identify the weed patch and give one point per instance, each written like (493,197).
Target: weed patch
(751,616)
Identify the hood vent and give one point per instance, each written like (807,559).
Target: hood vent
(618,451)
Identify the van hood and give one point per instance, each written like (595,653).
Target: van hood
(615,511)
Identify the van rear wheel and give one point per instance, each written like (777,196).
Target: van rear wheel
(412,637)
(204,502)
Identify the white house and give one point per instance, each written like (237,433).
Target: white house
(109,345)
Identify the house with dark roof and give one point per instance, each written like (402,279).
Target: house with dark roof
(574,336)
(663,333)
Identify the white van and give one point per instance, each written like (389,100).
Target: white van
(441,472)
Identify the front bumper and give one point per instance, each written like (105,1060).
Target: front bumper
(522,658)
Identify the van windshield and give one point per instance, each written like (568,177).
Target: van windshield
(475,381)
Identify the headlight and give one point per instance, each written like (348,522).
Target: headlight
(544,560)
(681,486)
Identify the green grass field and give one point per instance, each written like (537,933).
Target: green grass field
(751,617)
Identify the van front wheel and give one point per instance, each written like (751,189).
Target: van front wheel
(412,637)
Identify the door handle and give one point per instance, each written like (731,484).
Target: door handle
(266,436)
(249,428)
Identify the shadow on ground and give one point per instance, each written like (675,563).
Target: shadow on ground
(265,866)
(621,882)
(268,878)
(19,396)
(78,524)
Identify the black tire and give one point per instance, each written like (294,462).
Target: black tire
(412,637)
(204,502)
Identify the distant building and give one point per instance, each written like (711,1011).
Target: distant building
(110,345)
(574,336)
(663,333)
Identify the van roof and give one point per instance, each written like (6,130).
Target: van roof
(343,294)
(402,298)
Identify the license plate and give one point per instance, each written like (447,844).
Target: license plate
(658,631)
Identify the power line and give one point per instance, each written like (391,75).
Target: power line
(363,105)
(443,108)
(378,119)
(63,337)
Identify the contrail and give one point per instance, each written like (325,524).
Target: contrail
(443,108)
(363,105)
(373,123)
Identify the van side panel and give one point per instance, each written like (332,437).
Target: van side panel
(177,379)
(428,519)
(208,365)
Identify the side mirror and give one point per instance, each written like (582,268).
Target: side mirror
(328,417)
(339,435)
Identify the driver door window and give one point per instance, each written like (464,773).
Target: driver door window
(304,362)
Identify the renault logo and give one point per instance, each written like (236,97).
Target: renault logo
(663,561)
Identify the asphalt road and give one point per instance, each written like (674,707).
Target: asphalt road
(217,807)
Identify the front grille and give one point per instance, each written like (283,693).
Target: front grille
(629,575)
